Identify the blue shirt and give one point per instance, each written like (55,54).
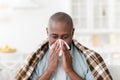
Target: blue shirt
(80,66)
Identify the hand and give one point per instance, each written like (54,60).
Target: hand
(67,59)
(53,57)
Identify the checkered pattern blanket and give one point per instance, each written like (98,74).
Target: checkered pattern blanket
(94,60)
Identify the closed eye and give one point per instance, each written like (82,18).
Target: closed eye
(55,36)
(65,36)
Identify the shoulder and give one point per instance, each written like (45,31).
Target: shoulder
(88,53)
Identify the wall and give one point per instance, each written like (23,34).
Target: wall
(23,25)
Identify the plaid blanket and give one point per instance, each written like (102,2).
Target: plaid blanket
(94,60)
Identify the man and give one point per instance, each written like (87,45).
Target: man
(76,63)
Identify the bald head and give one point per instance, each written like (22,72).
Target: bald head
(60,27)
(61,17)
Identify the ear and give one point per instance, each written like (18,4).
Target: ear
(73,31)
(47,30)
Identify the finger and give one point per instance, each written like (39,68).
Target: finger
(63,55)
(64,47)
(67,55)
(54,58)
(53,48)
(64,50)
(56,54)
(57,46)
(56,51)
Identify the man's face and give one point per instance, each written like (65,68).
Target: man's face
(60,30)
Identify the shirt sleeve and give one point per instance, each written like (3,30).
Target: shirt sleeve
(39,69)
(89,75)
(36,72)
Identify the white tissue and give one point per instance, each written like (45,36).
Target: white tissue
(60,42)
(60,53)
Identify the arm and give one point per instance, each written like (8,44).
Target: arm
(67,64)
(46,75)
(52,63)
(74,76)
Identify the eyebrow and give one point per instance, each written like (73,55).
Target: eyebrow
(53,34)
(57,34)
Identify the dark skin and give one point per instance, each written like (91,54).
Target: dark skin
(55,31)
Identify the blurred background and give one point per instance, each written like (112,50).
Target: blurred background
(23,27)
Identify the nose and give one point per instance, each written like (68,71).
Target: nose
(60,38)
